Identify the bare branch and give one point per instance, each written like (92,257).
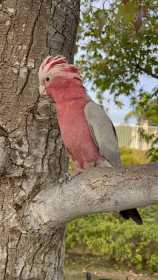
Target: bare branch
(145,70)
(96,190)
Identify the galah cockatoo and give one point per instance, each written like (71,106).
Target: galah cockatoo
(87,132)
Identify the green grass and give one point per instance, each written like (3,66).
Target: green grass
(133,157)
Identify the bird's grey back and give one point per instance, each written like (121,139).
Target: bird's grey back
(103,132)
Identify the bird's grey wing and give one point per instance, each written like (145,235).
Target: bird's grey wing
(104,135)
(103,132)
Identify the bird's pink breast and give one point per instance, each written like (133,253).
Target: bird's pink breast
(76,133)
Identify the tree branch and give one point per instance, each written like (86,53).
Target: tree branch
(147,71)
(95,190)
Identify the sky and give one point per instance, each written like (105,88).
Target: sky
(117,115)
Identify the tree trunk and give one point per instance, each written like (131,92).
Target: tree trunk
(32,155)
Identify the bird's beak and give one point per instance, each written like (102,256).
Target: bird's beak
(42,90)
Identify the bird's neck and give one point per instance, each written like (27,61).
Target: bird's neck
(68,91)
(76,104)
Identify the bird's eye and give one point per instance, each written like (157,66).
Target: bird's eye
(47,79)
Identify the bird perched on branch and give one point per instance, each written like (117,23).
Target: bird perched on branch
(87,132)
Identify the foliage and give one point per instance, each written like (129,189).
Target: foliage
(114,52)
(151,138)
(146,107)
(133,157)
(117,241)
(121,243)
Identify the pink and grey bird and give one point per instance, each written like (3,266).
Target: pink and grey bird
(87,132)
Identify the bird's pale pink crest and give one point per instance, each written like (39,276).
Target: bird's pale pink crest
(53,67)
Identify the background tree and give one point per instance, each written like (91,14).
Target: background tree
(146,108)
(114,54)
(118,45)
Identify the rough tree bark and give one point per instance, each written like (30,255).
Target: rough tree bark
(32,156)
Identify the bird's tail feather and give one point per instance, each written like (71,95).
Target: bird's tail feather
(133,214)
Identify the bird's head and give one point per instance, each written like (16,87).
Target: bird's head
(57,78)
